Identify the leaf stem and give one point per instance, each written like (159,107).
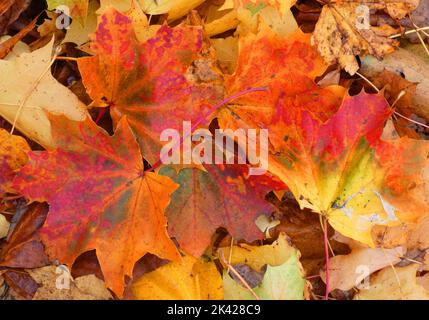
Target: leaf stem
(238,275)
(325,236)
(411,120)
(420,38)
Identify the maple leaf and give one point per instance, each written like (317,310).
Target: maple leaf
(400,93)
(187,279)
(28,88)
(133,10)
(13,155)
(99,198)
(345,270)
(208,200)
(283,278)
(394,284)
(147,80)
(341,32)
(415,66)
(322,175)
(87,287)
(289,68)
(276,14)
(343,170)
(78,32)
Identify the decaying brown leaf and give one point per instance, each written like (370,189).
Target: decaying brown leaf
(344,31)
(55,283)
(413,68)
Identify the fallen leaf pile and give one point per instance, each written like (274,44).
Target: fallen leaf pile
(90,209)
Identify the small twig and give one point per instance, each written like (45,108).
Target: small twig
(408,32)
(230,250)
(323,230)
(238,275)
(411,260)
(67,59)
(420,37)
(325,236)
(423,43)
(394,271)
(411,120)
(399,96)
(368,81)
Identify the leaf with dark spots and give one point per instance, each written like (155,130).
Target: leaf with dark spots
(252,277)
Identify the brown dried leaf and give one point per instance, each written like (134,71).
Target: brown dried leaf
(343,30)
(83,288)
(347,271)
(23,248)
(394,85)
(414,68)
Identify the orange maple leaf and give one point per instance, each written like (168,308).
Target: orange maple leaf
(100,198)
(147,81)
